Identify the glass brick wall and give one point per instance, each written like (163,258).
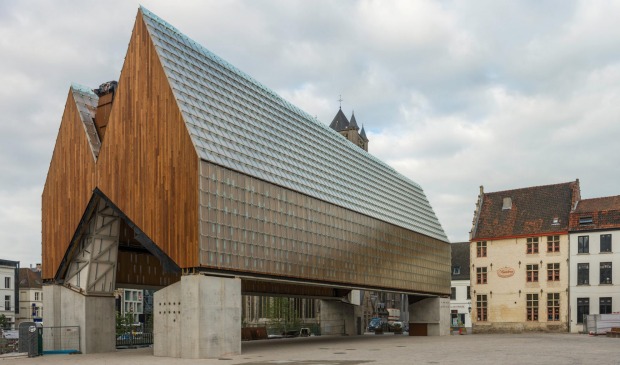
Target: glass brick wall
(249,225)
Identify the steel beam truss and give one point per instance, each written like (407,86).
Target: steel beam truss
(92,269)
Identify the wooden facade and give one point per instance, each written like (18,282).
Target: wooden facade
(68,188)
(147,164)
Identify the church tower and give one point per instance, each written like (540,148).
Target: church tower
(349,129)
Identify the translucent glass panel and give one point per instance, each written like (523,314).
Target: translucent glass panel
(86,101)
(250,225)
(238,123)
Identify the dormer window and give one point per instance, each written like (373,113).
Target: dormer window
(507,204)
(456,270)
(585,220)
(556,221)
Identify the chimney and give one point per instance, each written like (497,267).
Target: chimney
(106,92)
(576,194)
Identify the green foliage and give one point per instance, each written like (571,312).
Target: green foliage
(123,323)
(4,322)
(282,315)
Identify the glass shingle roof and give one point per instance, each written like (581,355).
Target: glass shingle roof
(86,101)
(236,122)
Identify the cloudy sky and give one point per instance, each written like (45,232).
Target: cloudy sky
(453,94)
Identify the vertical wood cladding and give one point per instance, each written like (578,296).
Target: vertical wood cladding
(142,268)
(249,225)
(148,165)
(103,114)
(68,188)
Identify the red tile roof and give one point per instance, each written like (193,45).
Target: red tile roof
(534,211)
(29,279)
(604,213)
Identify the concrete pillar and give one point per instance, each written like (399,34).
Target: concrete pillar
(94,315)
(198,318)
(337,318)
(430,317)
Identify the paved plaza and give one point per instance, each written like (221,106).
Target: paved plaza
(531,348)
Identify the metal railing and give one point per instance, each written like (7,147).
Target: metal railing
(134,339)
(278,329)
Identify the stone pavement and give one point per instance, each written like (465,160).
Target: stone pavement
(530,348)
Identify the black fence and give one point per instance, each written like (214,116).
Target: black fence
(135,339)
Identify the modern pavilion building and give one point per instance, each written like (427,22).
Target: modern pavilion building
(190,176)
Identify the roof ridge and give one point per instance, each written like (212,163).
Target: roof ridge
(601,197)
(230,89)
(529,187)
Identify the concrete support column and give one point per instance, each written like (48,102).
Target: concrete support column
(198,318)
(95,316)
(338,318)
(430,317)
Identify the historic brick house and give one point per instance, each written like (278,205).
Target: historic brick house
(519,246)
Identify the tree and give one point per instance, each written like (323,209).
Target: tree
(282,315)
(4,322)
(123,323)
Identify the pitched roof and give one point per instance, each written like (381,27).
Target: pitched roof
(598,204)
(29,279)
(534,210)
(604,213)
(460,259)
(340,122)
(86,101)
(238,123)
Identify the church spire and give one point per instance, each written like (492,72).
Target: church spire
(353,123)
(340,122)
(363,134)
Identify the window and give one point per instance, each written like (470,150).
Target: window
(583,244)
(481,307)
(532,307)
(583,308)
(481,249)
(605,243)
(532,273)
(583,274)
(532,245)
(605,273)
(456,270)
(585,220)
(453,293)
(553,272)
(605,305)
(7,302)
(36,295)
(7,282)
(481,275)
(553,306)
(469,292)
(553,243)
